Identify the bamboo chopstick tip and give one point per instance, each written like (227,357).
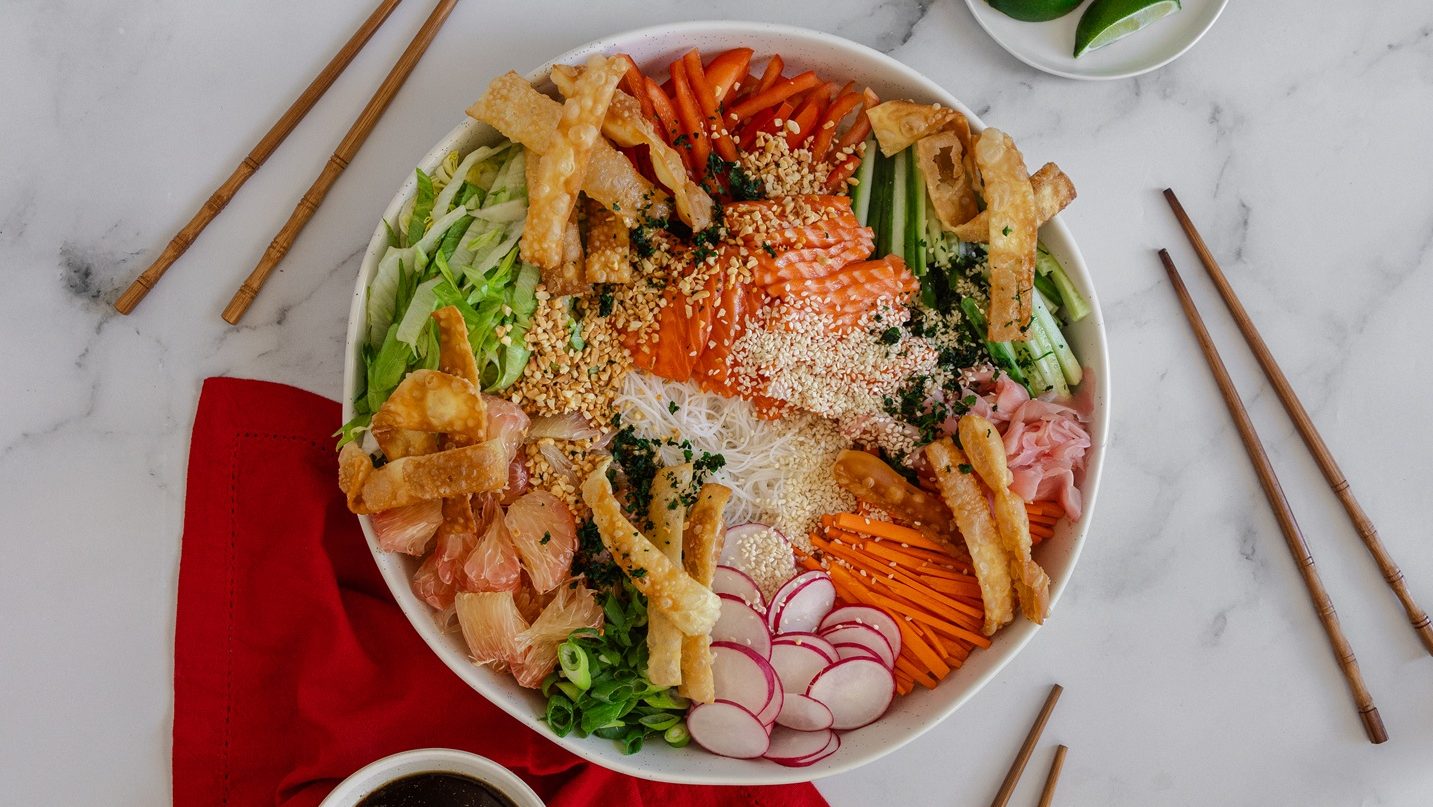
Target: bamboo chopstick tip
(1425,634)
(1373,725)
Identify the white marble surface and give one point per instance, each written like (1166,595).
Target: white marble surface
(1195,670)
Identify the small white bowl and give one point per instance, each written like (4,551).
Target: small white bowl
(1048,46)
(909,716)
(375,775)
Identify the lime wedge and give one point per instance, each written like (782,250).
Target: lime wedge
(1107,21)
(1034,10)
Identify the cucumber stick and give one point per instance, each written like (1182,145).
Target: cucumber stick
(1001,352)
(895,233)
(915,215)
(880,210)
(865,179)
(1045,321)
(1074,303)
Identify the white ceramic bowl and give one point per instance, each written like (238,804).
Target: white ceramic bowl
(910,716)
(375,775)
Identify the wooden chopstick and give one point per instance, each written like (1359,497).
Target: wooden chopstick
(1422,625)
(1047,796)
(261,152)
(1303,558)
(1012,778)
(352,142)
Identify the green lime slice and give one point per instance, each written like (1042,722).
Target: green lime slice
(1107,21)
(1034,10)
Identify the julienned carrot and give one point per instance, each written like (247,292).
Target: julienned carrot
(782,90)
(707,104)
(689,116)
(826,131)
(905,548)
(903,587)
(727,70)
(899,573)
(882,529)
(771,74)
(662,109)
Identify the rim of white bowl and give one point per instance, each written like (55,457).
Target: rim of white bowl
(1014,637)
(978,9)
(364,781)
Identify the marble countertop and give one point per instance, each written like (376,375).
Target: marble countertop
(1195,670)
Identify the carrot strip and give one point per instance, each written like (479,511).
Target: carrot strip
(931,600)
(898,550)
(882,529)
(726,71)
(698,148)
(826,132)
(774,95)
(771,74)
(666,116)
(920,649)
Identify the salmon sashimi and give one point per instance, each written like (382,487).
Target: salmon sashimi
(572,607)
(408,529)
(491,623)
(543,530)
(846,283)
(493,565)
(713,367)
(811,263)
(682,331)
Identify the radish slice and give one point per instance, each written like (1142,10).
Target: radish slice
(800,637)
(797,664)
(847,650)
(727,729)
(741,624)
(862,635)
(866,615)
(856,690)
(804,713)
(832,747)
(727,580)
(789,747)
(801,602)
(741,676)
(773,707)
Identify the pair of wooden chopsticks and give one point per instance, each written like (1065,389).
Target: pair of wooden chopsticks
(1343,652)
(310,201)
(1017,767)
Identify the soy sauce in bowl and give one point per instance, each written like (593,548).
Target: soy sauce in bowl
(436,790)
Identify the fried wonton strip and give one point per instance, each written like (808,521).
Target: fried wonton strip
(628,127)
(870,479)
(609,245)
(668,516)
(965,496)
(526,116)
(701,546)
(1010,201)
(898,124)
(1053,192)
(553,193)
(429,401)
(569,276)
(455,352)
(477,468)
(692,607)
(942,162)
(986,450)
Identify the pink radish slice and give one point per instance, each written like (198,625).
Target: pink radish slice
(804,713)
(728,580)
(797,664)
(741,676)
(773,707)
(731,554)
(728,729)
(800,637)
(863,635)
(847,650)
(741,624)
(866,615)
(801,602)
(789,747)
(856,690)
(832,747)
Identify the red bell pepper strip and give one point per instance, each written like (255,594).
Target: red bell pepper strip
(826,131)
(689,117)
(725,70)
(707,103)
(779,92)
(664,117)
(772,74)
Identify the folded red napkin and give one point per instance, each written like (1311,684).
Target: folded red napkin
(293,666)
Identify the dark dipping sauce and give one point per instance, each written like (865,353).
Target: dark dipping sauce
(435,790)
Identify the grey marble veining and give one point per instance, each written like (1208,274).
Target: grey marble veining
(1194,668)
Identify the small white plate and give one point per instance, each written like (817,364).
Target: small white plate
(375,775)
(1048,45)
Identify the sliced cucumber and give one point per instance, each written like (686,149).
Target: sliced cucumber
(895,233)
(1050,329)
(1001,352)
(915,215)
(865,178)
(1074,303)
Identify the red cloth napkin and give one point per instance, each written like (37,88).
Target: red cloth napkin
(293,666)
